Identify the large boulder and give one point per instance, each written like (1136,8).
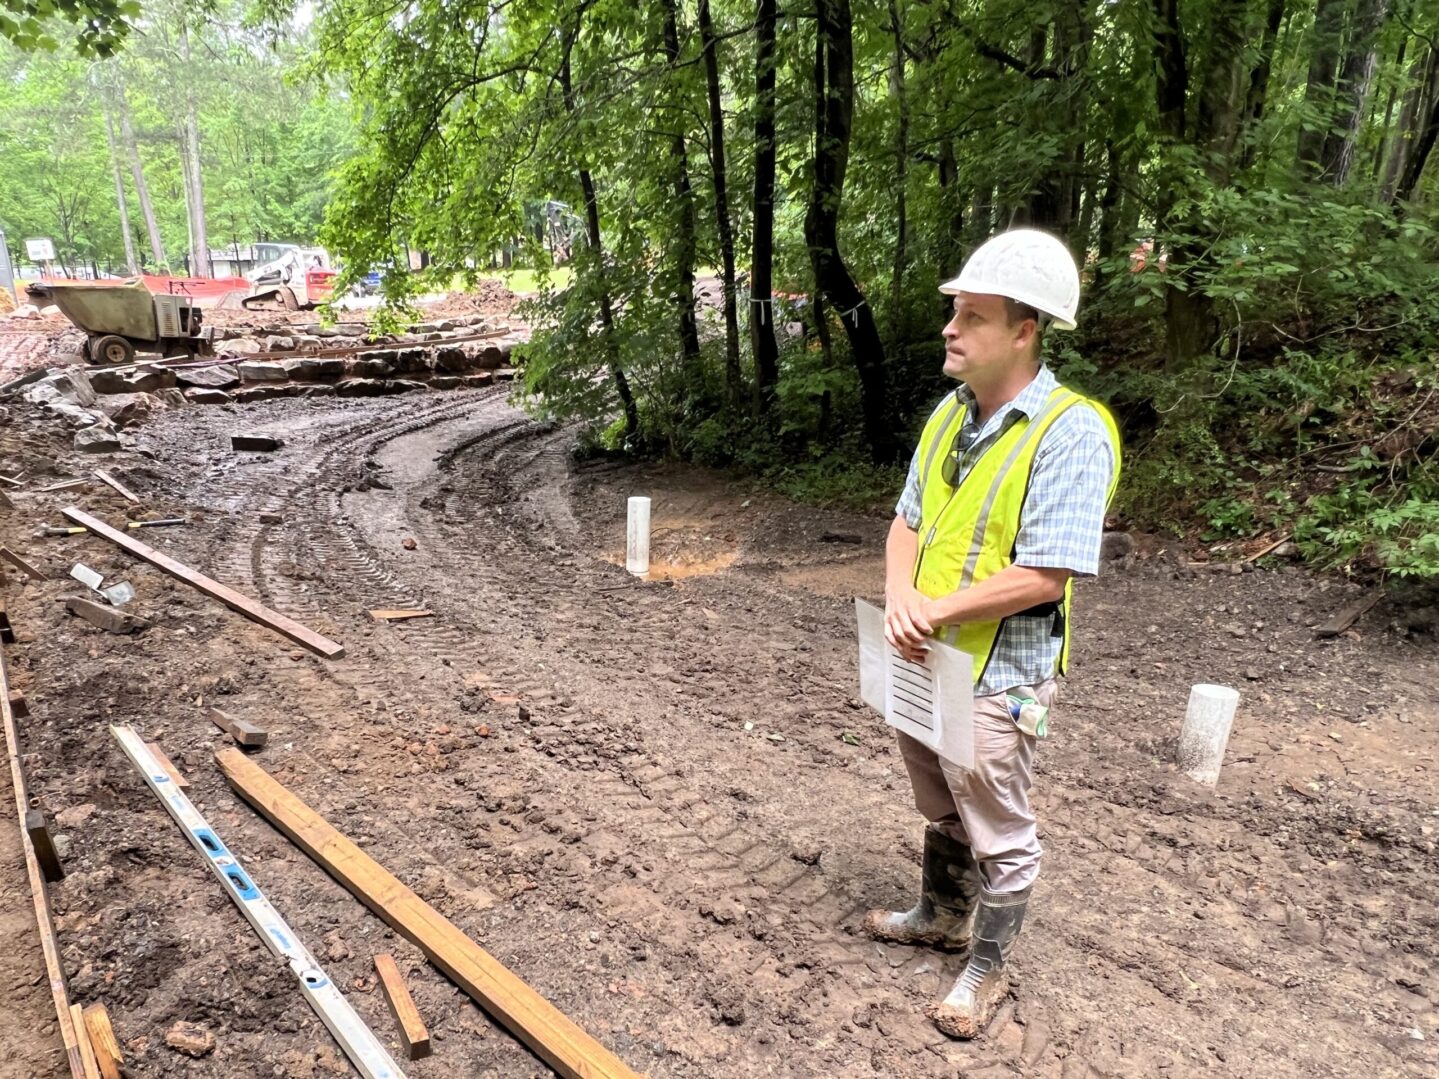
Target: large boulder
(219,376)
(484,378)
(140,380)
(446,382)
(451,359)
(130,409)
(307,370)
(404,385)
(360,387)
(73,385)
(97,439)
(261,371)
(281,344)
(373,365)
(240,346)
(412,361)
(490,358)
(265,392)
(198,395)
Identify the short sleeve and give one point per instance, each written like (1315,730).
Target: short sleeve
(1062,523)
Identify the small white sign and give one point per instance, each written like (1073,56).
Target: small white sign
(932,702)
(40,250)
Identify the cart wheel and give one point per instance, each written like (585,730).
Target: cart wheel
(112,349)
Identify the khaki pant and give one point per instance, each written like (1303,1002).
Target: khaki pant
(988,808)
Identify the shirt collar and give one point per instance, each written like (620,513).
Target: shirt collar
(1029,400)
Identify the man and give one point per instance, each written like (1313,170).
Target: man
(1005,503)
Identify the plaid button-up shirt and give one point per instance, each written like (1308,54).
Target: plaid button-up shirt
(1060,527)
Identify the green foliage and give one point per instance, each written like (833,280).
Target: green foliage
(100,26)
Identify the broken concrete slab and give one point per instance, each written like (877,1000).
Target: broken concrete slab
(220,376)
(261,371)
(256,443)
(207,397)
(129,409)
(97,439)
(106,618)
(140,380)
(74,385)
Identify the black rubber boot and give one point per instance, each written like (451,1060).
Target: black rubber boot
(949,887)
(981,987)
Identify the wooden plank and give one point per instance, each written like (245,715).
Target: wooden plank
(553,1036)
(286,627)
(55,972)
(102,1041)
(412,1028)
(399,616)
(170,770)
(20,564)
(105,477)
(63,485)
(242,730)
(38,830)
(13,481)
(1347,616)
(19,706)
(87,1051)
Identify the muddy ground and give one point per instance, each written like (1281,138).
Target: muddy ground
(559,761)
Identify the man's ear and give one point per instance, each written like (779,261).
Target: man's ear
(1027,335)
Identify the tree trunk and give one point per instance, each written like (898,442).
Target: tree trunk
(761,309)
(1421,91)
(1257,97)
(1355,81)
(596,246)
(734,383)
(137,173)
(199,237)
(1319,92)
(901,176)
(1425,133)
(685,243)
(132,264)
(834,115)
(1383,145)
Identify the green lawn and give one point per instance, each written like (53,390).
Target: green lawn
(529,281)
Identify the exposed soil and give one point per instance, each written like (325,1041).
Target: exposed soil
(558,760)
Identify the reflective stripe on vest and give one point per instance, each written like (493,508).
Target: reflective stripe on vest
(969,533)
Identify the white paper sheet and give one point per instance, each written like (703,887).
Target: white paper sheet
(932,702)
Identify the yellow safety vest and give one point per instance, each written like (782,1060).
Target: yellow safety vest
(968,534)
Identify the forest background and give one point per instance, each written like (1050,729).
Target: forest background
(1247,184)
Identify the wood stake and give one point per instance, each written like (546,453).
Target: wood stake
(19,707)
(44,846)
(7,635)
(554,1037)
(169,766)
(54,970)
(102,1041)
(242,730)
(399,616)
(286,627)
(412,1028)
(105,477)
(87,1051)
(20,564)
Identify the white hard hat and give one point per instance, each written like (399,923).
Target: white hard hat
(1026,265)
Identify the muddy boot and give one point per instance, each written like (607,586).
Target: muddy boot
(948,889)
(977,994)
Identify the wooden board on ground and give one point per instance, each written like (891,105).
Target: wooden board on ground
(38,830)
(397,993)
(106,478)
(63,485)
(87,1051)
(19,705)
(1345,617)
(286,627)
(20,564)
(553,1036)
(102,1041)
(170,770)
(39,895)
(242,730)
(399,616)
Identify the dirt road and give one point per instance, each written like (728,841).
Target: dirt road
(559,760)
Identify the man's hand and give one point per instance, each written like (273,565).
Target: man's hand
(907,623)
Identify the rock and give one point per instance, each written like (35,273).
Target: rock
(24,380)
(130,409)
(489,358)
(171,398)
(261,371)
(484,378)
(451,358)
(1115,546)
(307,343)
(208,397)
(97,439)
(404,385)
(106,618)
(74,386)
(220,376)
(318,391)
(408,544)
(307,370)
(412,361)
(445,382)
(281,344)
(256,443)
(271,519)
(240,346)
(360,387)
(373,365)
(190,1039)
(249,394)
(505,374)
(1287,549)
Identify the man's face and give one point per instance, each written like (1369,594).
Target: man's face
(980,339)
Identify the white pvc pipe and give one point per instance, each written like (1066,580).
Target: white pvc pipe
(1205,734)
(637,540)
